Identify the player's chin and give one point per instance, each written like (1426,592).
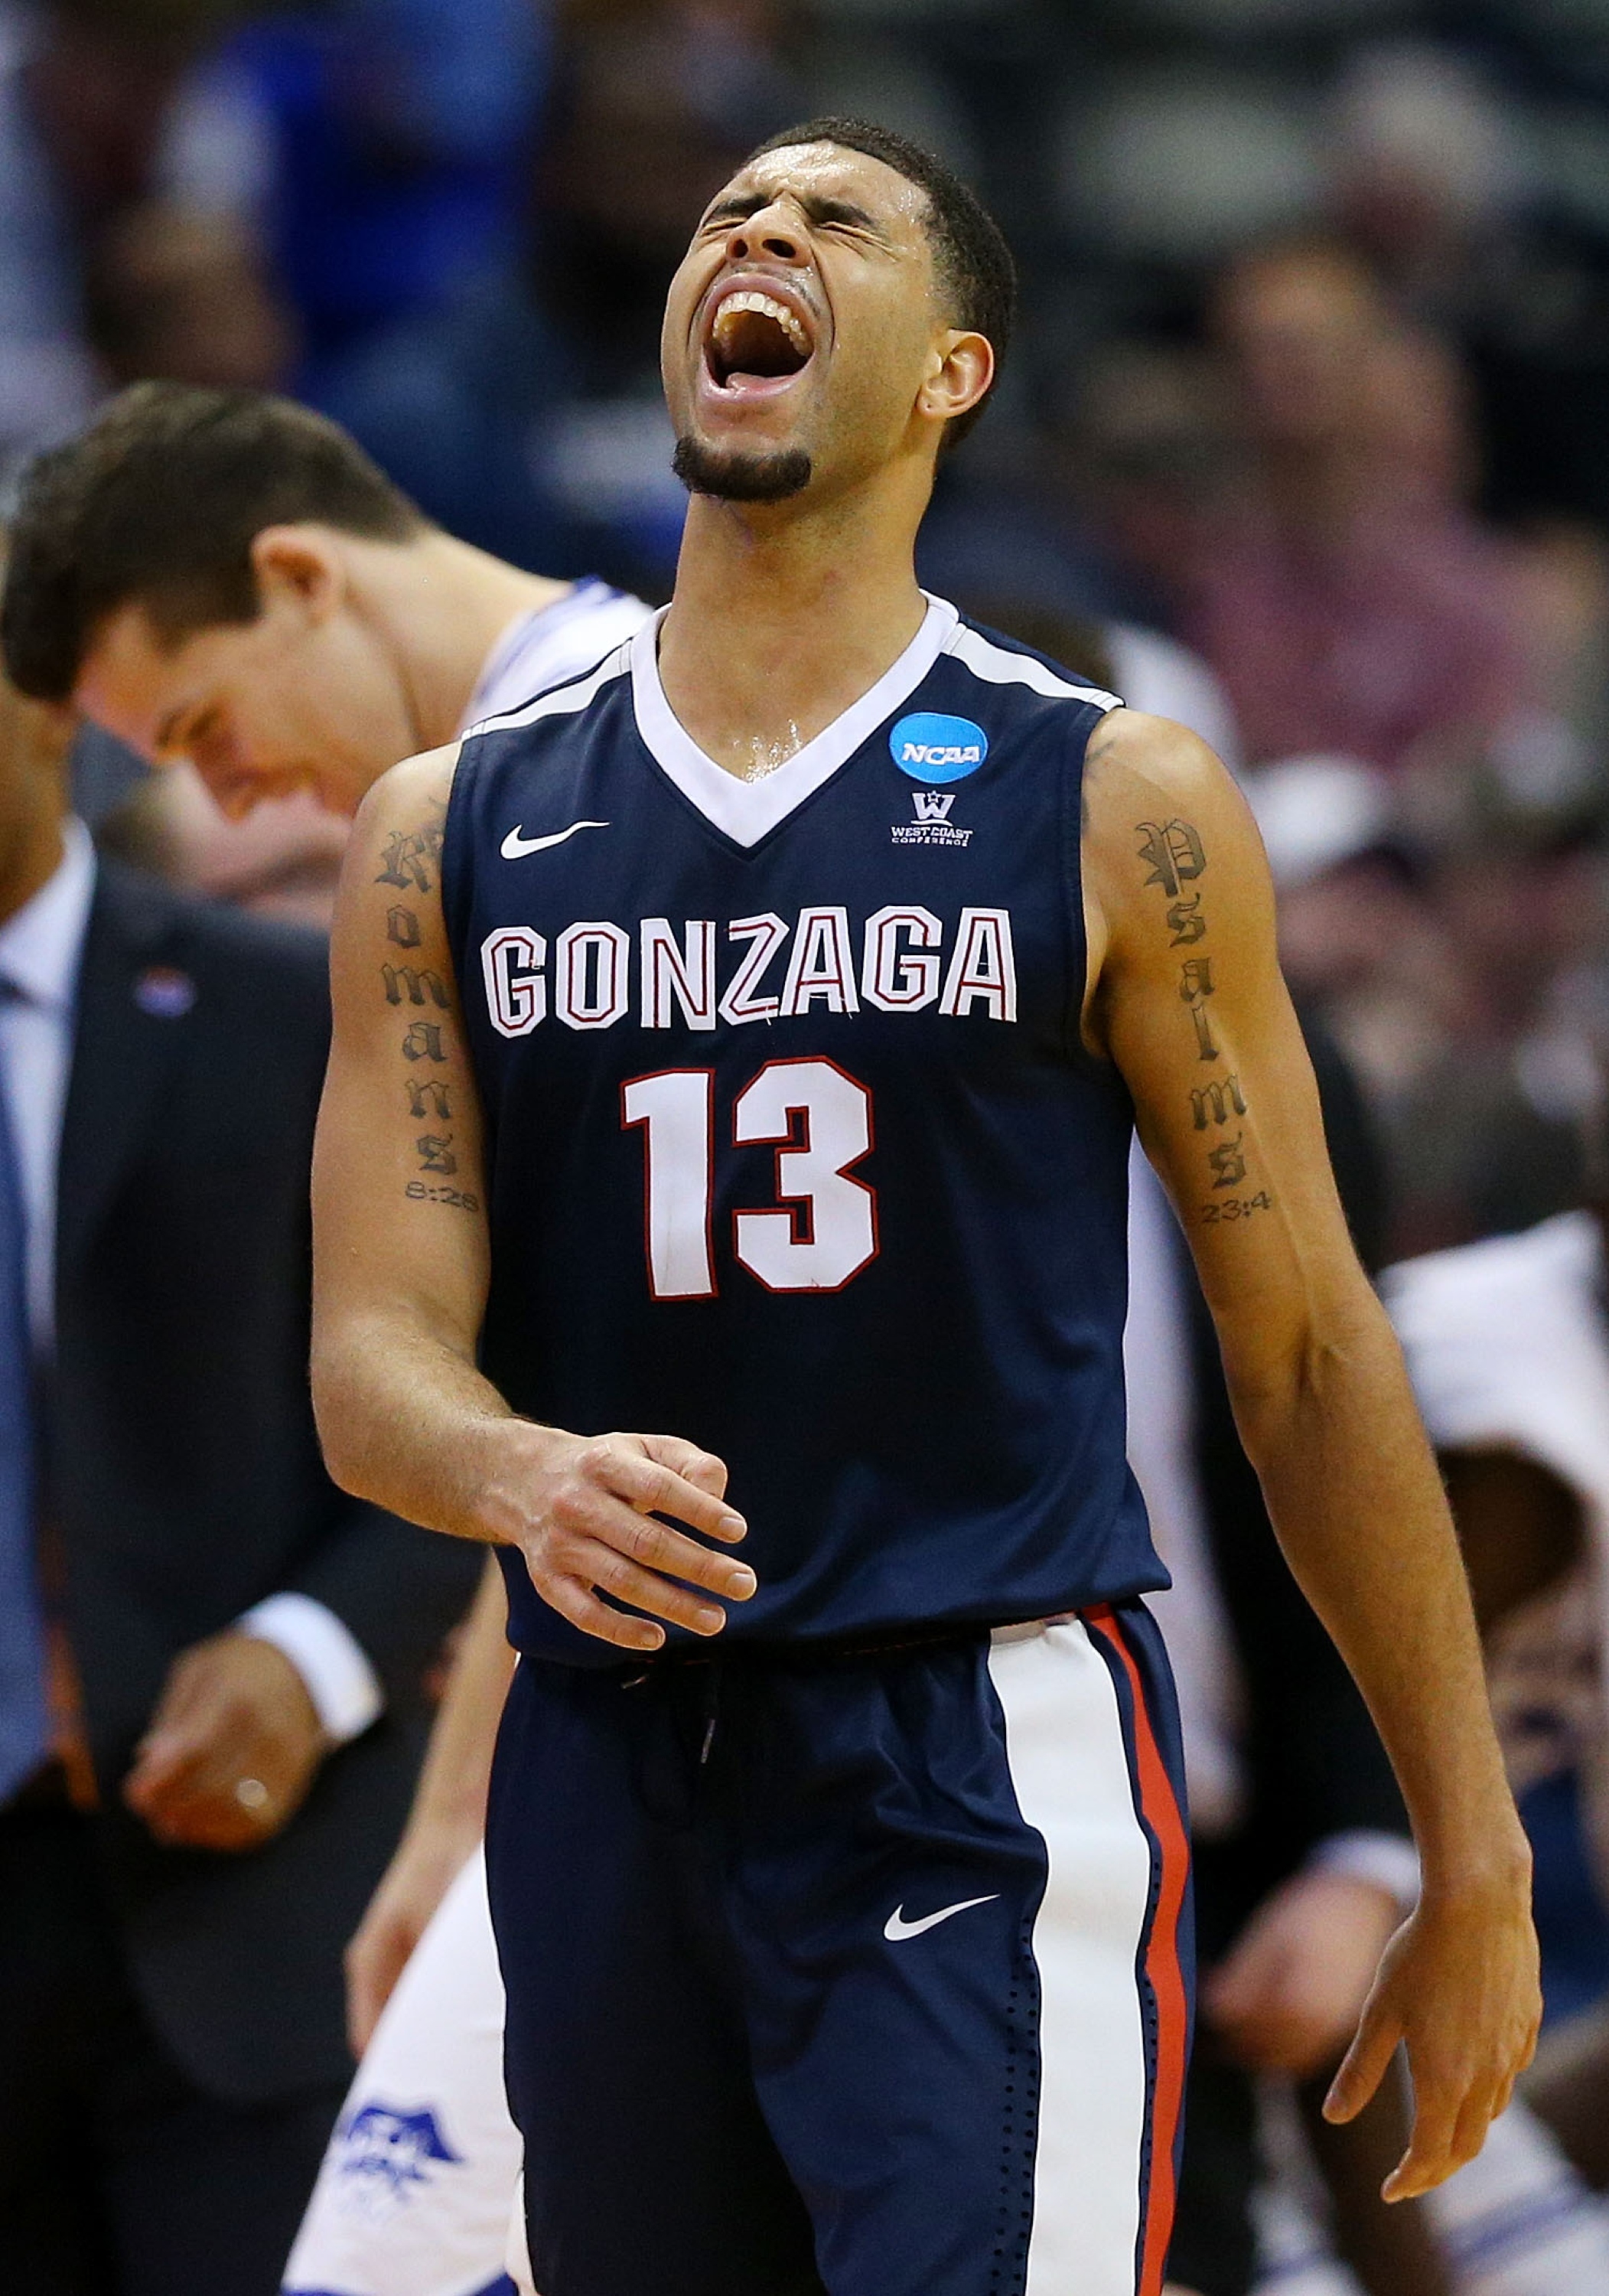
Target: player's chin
(741,469)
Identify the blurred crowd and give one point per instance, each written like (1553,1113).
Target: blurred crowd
(1307,442)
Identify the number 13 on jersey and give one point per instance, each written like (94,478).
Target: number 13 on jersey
(824,1228)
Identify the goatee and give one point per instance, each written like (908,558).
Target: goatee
(733,476)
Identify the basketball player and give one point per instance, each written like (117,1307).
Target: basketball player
(839,1886)
(228,578)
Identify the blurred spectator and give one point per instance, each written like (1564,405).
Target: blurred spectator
(529,417)
(1444,181)
(92,110)
(1455,942)
(186,294)
(210,1660)
(394,132)
(1344,598)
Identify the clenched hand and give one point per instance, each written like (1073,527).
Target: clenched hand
(232,1749)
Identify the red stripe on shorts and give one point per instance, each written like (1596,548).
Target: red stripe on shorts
(1164,1971)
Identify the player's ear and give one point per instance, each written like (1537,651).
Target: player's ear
(960,368)
(299,565)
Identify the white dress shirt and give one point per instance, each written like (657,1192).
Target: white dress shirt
(41,947)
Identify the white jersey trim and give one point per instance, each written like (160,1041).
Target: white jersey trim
(564,700)
(1000,666)
(745,811)
(552,645)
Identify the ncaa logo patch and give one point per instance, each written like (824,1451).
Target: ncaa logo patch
(931,748)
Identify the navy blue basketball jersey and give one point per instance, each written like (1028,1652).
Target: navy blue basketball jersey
(793,1148)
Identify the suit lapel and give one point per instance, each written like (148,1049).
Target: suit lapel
(126,1041)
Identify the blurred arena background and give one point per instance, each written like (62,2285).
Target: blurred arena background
(1306,439)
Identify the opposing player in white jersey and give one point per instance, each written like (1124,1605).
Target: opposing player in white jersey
(300,624)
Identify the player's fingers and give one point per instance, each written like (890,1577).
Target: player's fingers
(628,1583)
(686,1459)
(1363,2068)
(581,1608)
(654,1547)
(1429,2159)
(654,1488)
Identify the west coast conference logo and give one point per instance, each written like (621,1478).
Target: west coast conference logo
(936,749)
(384,2153)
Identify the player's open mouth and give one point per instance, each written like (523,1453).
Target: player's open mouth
(756,343)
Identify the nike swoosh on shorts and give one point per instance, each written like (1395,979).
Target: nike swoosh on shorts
(516,845)
(897,1927)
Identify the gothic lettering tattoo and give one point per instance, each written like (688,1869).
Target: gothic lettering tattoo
(402,927)
(412,857)
(418,985)
(1215,1103)
(436,1152)
(1194,987)
(1185,921)
(1227,1163)
(428,1096)
(1174,851)
(423,1042)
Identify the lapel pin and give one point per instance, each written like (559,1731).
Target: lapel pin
(164,992)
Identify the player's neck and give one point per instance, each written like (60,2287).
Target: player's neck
(781,622)
(443,606)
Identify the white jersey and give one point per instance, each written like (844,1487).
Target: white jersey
(421,2178)
(546,648)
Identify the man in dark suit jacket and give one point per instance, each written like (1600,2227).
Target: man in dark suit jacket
(215,1677)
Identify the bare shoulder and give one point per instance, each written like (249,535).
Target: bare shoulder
(418,789)
(1156,801)
(1135,758)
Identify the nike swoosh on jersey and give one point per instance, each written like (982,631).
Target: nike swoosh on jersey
(516,845)
(896,1927)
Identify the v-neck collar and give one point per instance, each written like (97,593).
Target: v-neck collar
(747,811)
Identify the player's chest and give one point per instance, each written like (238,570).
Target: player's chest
(891,908)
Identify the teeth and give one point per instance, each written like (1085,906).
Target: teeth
(749,298)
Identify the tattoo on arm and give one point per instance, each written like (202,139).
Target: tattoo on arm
(1194,987)
(1227,1163)
(420,984)
(428,1097)
(1216,1103)
(436,1152)
(413,857)
(1185,921)
(1173,853)
(411,863)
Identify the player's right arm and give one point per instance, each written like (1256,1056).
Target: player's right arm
(401,1270)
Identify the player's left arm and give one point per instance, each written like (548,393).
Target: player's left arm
(1186,996)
